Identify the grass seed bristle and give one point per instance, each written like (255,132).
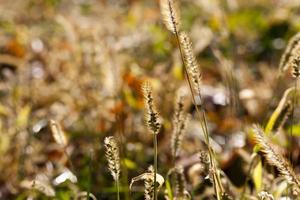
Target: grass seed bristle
(171,16)
(275,159)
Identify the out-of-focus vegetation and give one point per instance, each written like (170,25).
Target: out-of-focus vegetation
(82,63)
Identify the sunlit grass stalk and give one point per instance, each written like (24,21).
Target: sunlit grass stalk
(113,158)
(295,73)
(155,164)
(90,175)
(172,21)
(119,121)
(201,113)
(248,175)
(153,125)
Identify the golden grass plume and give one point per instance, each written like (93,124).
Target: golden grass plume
(170,13)
(152,117)
(112,156)
(190,61)
(274,158)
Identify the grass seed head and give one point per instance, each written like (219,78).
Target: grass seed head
(190,60)
(290,51)
(179,126)
(112,156)
(170,14)
(296,67)
(274,158)
(152,117)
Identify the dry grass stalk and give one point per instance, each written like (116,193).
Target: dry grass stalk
(180,185)
(154,125)
(171,16)
(149,185)
(285,114)
(276,159)
(179,126)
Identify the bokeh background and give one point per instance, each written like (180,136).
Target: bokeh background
(82,63)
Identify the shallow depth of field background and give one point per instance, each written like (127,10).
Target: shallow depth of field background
(82,63)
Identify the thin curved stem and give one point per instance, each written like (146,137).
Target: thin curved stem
(216,178)
(155,164)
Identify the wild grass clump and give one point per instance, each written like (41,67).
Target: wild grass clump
(143,90)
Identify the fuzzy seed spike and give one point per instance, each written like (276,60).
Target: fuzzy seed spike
(191,62)
(296,66)
(276,159)
(179,126)
(170,13)
(290,51)
(112,156)
(152,117)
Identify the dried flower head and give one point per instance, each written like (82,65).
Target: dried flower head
(190,61)
(296,66)
(170,14)
(275,159)
(58,134)
(152,117)
(112,156)
(179,126)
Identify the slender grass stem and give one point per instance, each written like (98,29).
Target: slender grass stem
(294,102)
(155,164)
(290,138)
(69,160)
(90,176)
(216,179)
(118,189)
